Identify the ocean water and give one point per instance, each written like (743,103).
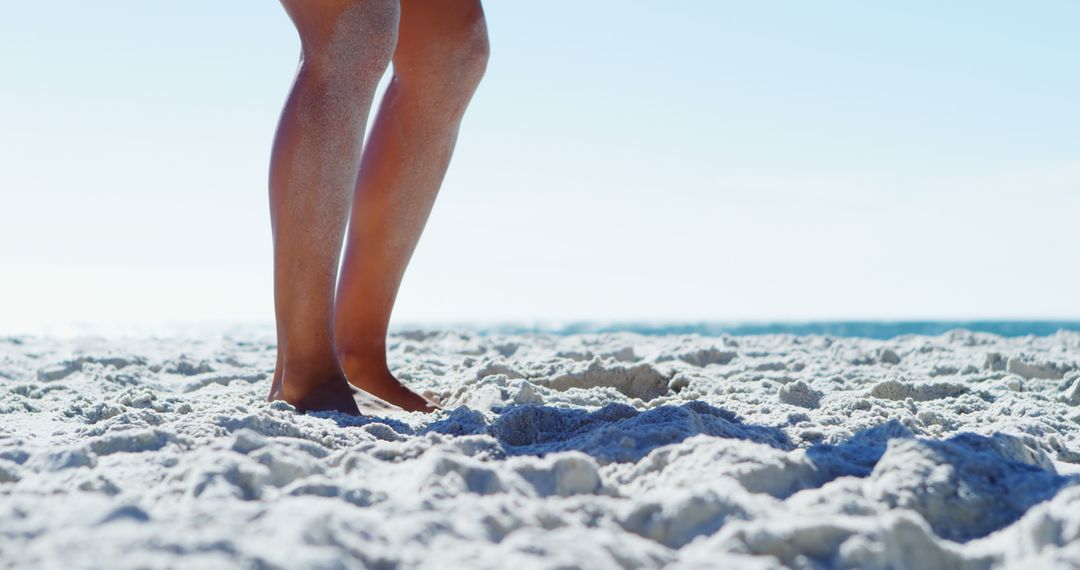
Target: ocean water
(865,329)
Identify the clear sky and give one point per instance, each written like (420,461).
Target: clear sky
(623,160)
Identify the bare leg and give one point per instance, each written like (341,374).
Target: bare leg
(347,45)
(440,57)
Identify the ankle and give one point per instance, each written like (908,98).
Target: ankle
(305,377)
(368,351)
(363,363)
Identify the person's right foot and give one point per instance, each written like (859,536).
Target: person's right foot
(307,394)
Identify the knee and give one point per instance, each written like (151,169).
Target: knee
(449,64)
(346,41)
(466,58)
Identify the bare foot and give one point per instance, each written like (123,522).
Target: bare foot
(379,382)
(372,405)
(310,393)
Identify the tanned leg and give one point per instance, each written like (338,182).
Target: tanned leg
(347,45)
(441,55)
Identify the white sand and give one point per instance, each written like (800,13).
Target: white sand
(600,451)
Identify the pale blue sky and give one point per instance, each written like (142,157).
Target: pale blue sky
(694,160)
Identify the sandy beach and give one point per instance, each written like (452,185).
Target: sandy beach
(583,451)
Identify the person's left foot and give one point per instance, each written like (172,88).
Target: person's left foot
(379,382)
(370,405)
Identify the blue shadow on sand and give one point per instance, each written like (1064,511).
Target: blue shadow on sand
(614,433)
(965,487)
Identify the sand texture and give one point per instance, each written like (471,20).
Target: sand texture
(592,451)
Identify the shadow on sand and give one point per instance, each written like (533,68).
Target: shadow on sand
(966,486)
(614,433)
